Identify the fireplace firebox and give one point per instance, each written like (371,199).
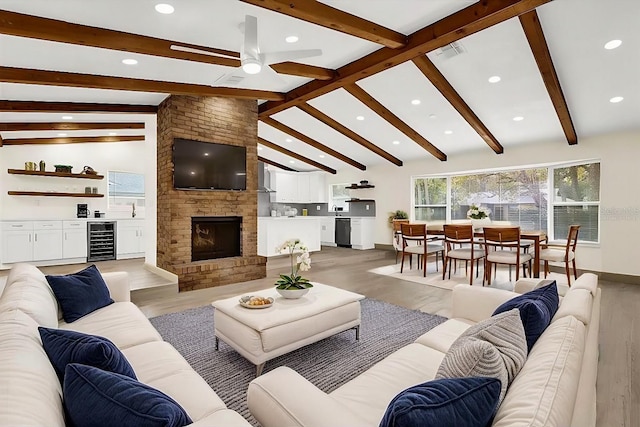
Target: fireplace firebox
(215,237)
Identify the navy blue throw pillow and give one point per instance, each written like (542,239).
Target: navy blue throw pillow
(95,397)
(537,308)
(450,402)
(64,347)
(80,293)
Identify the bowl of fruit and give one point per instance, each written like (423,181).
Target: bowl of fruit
(253,301)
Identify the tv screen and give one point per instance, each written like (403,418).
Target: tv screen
(208,166)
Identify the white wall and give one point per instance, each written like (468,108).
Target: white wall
(619,180)
(134,156)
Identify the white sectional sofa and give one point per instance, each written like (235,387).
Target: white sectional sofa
(556,387)
(30,392)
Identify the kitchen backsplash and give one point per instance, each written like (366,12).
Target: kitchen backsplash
(313,209)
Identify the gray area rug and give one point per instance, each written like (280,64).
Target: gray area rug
(328,363)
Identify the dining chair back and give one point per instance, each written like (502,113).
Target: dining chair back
(566,255)
(416,242)
(461,245)
(502,246)
(397,235)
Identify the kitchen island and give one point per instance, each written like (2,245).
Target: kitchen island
(273,231)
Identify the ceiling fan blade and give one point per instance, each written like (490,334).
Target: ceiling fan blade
(250,44)
(277,57)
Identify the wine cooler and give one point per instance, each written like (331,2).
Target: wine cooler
(101,240)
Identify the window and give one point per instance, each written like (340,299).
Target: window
(576,200)
(543,198)
(125,189)
(339,196)
(430,199)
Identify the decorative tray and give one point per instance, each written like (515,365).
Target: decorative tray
(254,301)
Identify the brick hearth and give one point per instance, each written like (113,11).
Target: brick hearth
(208,119)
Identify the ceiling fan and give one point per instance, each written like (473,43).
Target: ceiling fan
(252,60)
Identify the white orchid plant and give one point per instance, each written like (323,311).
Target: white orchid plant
(300,261)
(478,212)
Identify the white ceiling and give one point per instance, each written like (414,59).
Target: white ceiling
(576,31)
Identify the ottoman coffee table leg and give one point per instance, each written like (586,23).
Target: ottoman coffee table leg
(357,328)
(217,343)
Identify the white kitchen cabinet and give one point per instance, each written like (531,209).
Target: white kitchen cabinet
(26,241)
(328,231)
(362,230)
(299,187)
(318,187)
(303,195)
(286,186)
(74,239)
(130,240)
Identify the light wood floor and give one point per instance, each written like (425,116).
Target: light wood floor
(618,368)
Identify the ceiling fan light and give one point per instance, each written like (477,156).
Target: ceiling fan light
(251,66)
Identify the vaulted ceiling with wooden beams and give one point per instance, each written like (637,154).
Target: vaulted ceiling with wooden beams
(395,81)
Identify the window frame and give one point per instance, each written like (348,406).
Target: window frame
(412,215)
(140,209)
(332,198)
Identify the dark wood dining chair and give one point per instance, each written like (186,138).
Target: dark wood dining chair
(559,254)
(460,245)
(397,235)
(416,242)
(502,246)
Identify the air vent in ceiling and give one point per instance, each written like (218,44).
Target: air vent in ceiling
(233,80)
(451,50)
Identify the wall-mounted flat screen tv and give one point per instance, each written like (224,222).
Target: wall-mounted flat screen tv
(208,166)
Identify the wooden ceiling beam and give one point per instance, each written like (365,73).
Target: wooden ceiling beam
(434,75)
(470,20)
(276,164)
(326,16)
(35,27)
(319,115)
(535,36)
(57,78)
(312,142)
(300,157)
(72,140)
(75,107)
(14,127)
(394,120)
(304,70)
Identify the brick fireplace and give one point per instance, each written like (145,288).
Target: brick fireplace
(224,121)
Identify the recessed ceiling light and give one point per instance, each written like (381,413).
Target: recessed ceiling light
(193,173)
(164,8)
(112,133)
(396,142)
(206,154)
(291,161)
(448,132)
(321,156)
(616,99)
(612,44)
(130,61)
(518,118)
(360,118)
(259,148)
(291,39)
(415,102)
(432,116)
(67,117)
(494,79)
(289,140)
(62,134)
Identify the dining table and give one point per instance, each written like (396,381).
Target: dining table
(536,236)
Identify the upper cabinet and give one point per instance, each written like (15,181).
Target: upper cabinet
(299,187)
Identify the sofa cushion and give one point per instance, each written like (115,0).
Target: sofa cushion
(536,310)
(27,290)
(544,392)
(455,402)
(92,394)
(442,336)
(64,347)
(577,303)
(494,348)
(80,293)
(30,393)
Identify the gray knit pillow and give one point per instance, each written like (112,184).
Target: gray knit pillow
(495,347)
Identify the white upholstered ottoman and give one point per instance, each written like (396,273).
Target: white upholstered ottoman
(262,334)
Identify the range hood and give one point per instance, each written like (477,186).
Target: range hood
(263,179)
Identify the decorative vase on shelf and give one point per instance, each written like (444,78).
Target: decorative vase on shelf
(293,286)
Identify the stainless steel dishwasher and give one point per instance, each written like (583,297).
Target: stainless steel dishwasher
(343,232)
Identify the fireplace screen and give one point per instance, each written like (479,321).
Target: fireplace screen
(215,237)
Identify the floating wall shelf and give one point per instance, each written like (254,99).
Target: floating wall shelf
(358,187)
(56,174)
(52,193)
